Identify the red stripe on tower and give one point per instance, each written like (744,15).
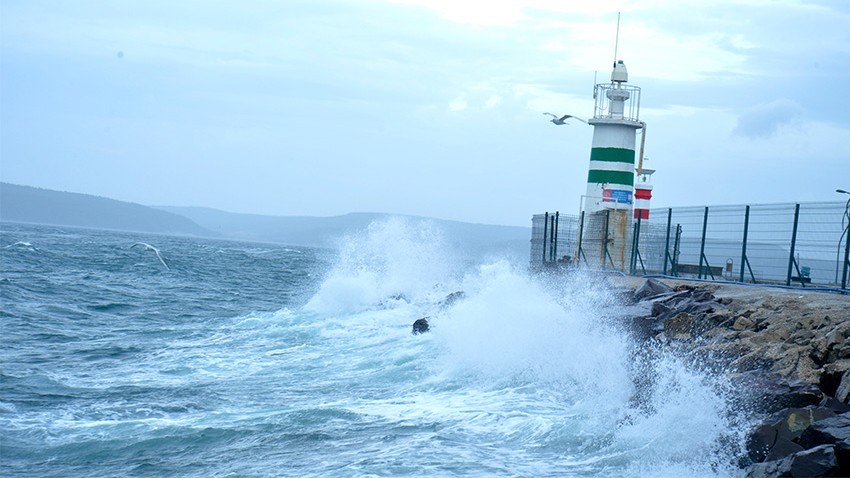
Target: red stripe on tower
(643,193)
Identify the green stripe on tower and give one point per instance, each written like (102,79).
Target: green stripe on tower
(616,155)
(613,177)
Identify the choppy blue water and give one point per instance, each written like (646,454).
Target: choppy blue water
(247,359)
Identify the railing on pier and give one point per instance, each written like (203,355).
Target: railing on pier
(803,244)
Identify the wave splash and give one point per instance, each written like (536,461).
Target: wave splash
(536,373)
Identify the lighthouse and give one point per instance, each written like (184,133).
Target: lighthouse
(611,175)
(608,203)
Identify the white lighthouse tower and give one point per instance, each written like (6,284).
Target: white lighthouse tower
(611,177)
(608,203)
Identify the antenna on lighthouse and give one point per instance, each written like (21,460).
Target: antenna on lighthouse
(617,39)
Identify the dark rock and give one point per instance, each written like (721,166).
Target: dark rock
(791,423)
(819,461)
(829,382)
(652,288)
(829,431)
(679,326)
(421,326)
(783,448)
(835,405)
(778,437)
(842,392)
(796,394)
(645,327)
(660,308)
(703,296)
(760,442)
(700,307)
(772,393)
(452,298)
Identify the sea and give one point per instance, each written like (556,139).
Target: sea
(241,359)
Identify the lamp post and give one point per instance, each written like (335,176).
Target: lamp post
(846,235)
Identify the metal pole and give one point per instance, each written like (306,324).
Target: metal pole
(551,235)
(605,240)
(846,260)
(702,244)
(580,251)
(667,241)
(632,258)
(744,247)
(793,243)
(545,225)
(674,266)
(555,233)
(636,250)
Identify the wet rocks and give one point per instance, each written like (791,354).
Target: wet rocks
(780,436)
(842,392)
(789,349)
(833,430)
(420,326)
(651,288)
(818,461)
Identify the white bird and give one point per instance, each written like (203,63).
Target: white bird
(149,247)
(563,119)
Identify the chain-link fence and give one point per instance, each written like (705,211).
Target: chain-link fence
(794,244)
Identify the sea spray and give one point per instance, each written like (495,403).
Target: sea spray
(518,343)
(394,259)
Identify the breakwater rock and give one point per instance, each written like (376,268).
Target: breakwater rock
(789,349)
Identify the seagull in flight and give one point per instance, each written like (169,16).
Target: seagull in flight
(149,247)
(563,119)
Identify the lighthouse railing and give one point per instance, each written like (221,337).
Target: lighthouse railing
(602,105)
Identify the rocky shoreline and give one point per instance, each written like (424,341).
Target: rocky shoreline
(788,348)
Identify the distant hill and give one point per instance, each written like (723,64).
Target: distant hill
(44,206)
(324,231)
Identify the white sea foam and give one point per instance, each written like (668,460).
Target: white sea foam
(520,359)
(394,259)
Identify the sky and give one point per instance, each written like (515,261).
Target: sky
(422,107)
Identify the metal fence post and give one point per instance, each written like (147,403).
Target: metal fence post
(846,260)
(579,249)
(791,261)
(555,236)
(545,226)
(634,248)
(605,240)
(744,247)
(674,261)
(636,251)
(702,244)
(667,241)
(551,235)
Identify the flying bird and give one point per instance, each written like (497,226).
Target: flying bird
(563,119)
(153,249)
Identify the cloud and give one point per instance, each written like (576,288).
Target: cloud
(764,120)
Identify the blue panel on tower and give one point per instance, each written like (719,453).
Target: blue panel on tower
(619,196)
